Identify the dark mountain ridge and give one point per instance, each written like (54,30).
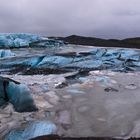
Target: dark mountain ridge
(93,41)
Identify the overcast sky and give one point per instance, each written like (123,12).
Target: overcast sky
(99,18)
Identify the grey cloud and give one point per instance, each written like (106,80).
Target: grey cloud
(100,18)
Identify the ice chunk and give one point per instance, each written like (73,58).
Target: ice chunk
(35,129)
(16,93)
(19,96)
(6,53)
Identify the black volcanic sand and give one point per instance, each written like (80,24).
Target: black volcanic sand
(55,137)
(34,71)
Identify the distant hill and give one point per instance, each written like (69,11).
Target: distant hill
(92,41)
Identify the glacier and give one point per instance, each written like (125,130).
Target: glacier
(25,40)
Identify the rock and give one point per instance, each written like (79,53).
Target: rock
(47,137)
(108,89)
(3,95)
(34,129)
(55,80)
(67,54)
(61,85)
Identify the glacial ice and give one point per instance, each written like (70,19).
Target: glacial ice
(25,40)
(35,129)
(18,40)
(117,60)
(6,53)
(17,94)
